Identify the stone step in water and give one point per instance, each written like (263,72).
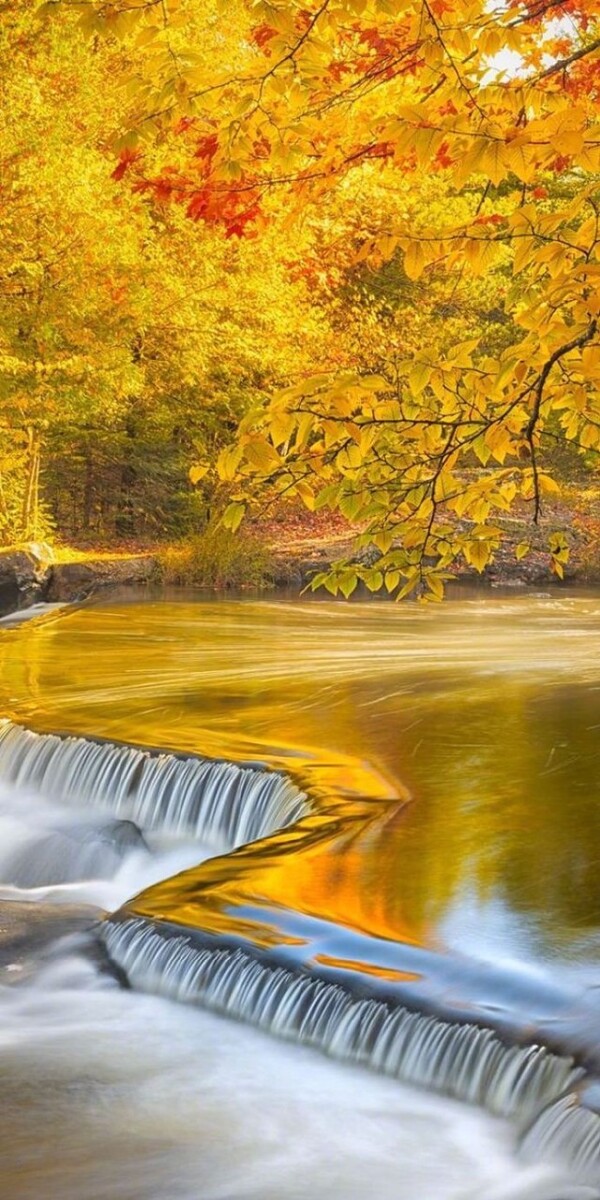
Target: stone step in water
(535,1088)
(224,804)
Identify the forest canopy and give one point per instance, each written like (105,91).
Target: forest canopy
(345,252)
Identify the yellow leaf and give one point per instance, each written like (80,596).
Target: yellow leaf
(262,455)
(331,585)
(228,462)
(349,458)
(281,428)
(589,437)
(387,245)
(526,250)
(306,423)
(436,586)
(482,450)
(522,549)
(569,141)
(558,542)
(415,260)
(493,160)
(408,587)
(419,377)
(548,485)
(446,485)
(373,580)
(477,554)
(306,494)
(374,383)
(347,584)
(198,472)
(350,506)
(233,516)
(383,540)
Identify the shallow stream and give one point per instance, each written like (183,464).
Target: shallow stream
(451,760)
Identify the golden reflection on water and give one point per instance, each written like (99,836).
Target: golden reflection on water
(348,964)
(485,712)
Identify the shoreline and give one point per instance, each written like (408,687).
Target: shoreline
(29,577)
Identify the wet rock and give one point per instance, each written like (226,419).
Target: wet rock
(285,573)
(32,933)
(26,928)
(72,854)
(125,835)
(369,556)
(73,581)
(24,576)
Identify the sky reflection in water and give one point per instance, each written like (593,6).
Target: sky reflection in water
(453,751)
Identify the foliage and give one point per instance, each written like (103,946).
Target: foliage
(127,347)
(218,559)
(426,452)
(369,229)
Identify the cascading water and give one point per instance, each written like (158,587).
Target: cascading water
(222,804)
(110,1093)
(529,1084)
(385,990)
(226,805)
(463,1061)
(571,1132)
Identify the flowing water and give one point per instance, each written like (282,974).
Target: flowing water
(423,899)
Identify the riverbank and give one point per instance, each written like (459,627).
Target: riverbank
(296,546)
(32,575)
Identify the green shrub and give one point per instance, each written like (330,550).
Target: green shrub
(219,559)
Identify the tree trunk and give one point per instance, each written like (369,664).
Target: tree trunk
(125,518)
(88,490)
(31,499)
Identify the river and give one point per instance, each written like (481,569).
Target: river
(450,759)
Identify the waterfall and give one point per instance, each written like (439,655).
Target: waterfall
(223,804)
(227,805)
(529,1084)
(567,1130)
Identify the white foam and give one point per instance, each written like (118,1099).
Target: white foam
(121,1096)
(221,803)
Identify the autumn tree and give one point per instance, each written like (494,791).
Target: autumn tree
(68,250)
(127,348)
(249,122)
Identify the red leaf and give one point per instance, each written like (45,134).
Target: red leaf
(183,124)
(561,162)
(207,147)
(443,157)
(126,158)
(262,35)
(198,205)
